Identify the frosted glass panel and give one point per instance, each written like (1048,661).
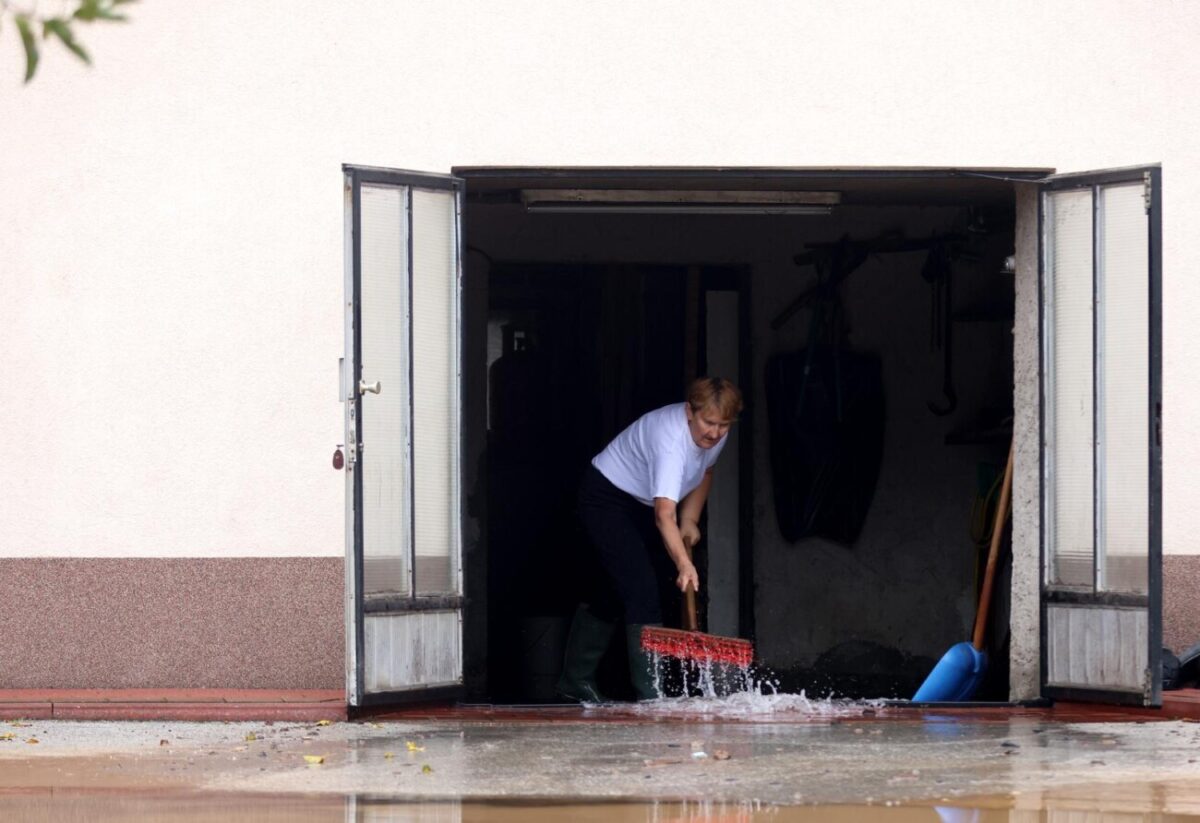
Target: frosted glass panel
(1125,386)
(435,400)
(1070,431)
(383,427)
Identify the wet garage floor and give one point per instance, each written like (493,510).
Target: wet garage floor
(843,762)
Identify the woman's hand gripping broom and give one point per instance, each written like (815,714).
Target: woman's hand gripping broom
(694,645)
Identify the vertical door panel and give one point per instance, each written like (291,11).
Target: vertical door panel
(1070,435)
(1124,320)
(435,397)
(384,359)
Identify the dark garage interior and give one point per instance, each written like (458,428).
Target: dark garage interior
(871,331)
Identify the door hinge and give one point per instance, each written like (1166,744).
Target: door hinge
(1147,190)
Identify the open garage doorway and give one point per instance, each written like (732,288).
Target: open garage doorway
(868,318)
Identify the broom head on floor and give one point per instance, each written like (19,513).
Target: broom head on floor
(697,646)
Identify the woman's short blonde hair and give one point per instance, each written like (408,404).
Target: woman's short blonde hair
(716,392)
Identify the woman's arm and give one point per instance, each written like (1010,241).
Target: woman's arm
(664,518)
(690,509)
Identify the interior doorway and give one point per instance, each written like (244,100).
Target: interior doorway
(858,530)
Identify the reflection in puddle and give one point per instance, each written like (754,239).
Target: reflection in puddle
(1158,802)
(859,767)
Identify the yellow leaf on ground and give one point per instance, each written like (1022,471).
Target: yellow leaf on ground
(388,755)
(33,740)
(427,769)
(413,747)
(314,759)
(8,735)
(324,722)
(251,736)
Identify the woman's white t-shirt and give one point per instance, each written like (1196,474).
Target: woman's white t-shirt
(657,457)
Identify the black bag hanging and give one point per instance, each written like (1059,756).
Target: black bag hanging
(825,410)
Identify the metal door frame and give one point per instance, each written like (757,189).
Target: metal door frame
(1151,177)
(358,605)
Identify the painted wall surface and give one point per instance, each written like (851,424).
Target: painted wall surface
(171,253)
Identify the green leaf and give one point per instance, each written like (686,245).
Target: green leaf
(88,10)
(62,30)
(30,43)
(104,10)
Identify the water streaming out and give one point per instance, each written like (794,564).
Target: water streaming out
(719,690)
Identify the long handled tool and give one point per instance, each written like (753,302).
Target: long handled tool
(960,671)
(691,644)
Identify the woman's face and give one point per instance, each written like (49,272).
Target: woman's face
(706,426)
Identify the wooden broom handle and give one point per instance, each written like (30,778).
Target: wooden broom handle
(989,576)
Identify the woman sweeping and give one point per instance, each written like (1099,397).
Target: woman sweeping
(640,503)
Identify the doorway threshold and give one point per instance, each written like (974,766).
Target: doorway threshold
(1177,705)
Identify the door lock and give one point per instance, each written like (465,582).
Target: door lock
(364,387)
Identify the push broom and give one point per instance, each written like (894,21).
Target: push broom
(691,644)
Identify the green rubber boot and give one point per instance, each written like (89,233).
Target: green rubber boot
(586,643)
(641,664)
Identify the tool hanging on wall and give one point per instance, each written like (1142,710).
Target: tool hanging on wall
(825,401)
(842,257)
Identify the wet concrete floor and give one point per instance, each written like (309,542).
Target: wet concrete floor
(840,764)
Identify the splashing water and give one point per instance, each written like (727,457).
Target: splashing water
(715,690)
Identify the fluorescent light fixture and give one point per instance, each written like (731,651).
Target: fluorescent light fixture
(650,208)
(675,201)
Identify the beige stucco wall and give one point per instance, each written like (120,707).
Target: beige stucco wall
(171,248)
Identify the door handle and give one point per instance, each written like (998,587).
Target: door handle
(364,387)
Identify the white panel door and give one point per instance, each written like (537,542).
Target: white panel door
(1102,442)
(403,520)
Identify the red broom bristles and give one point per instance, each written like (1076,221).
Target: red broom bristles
(697,646)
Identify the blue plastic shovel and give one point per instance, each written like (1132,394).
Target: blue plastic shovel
(958,674)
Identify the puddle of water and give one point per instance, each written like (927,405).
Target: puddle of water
(377,771)
(1159,803)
